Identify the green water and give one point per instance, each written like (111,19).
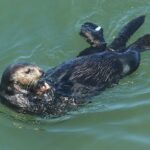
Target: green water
(46,33)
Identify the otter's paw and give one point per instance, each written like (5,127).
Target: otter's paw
(41,88)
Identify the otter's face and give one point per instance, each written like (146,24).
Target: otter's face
(20,76)
(27,75)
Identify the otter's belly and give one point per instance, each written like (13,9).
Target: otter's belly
(87,76)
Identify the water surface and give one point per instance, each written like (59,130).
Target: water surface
(46,33)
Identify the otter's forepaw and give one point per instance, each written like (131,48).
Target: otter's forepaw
(41,88)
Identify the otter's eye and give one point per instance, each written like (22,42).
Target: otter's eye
(28,71)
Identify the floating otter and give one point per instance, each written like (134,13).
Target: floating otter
(68,85)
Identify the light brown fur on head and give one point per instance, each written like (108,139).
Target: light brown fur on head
(27,75)
(21,76)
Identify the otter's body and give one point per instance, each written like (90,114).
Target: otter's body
(73,82)
(88,75)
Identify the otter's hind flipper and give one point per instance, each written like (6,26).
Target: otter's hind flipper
(126,32)
(143,43)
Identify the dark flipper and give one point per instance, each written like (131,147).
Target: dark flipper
(143,43)
(126,32)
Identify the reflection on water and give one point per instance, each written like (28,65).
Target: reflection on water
(46,33)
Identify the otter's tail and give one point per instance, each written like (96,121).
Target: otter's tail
(126,32)
(143,43)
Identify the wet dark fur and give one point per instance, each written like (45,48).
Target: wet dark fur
(118,44)
(73,82)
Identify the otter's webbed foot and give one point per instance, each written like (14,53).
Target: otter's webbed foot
(126,32)
(142,43)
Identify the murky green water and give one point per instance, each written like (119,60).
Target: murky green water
(46,33)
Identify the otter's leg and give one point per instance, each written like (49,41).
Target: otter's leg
(94,36)
(126,32)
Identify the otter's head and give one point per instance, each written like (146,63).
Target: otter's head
(93,34)
(20,77)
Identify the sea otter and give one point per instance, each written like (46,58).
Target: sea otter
(68,85)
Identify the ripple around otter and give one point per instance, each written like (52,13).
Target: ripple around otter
(45,33)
